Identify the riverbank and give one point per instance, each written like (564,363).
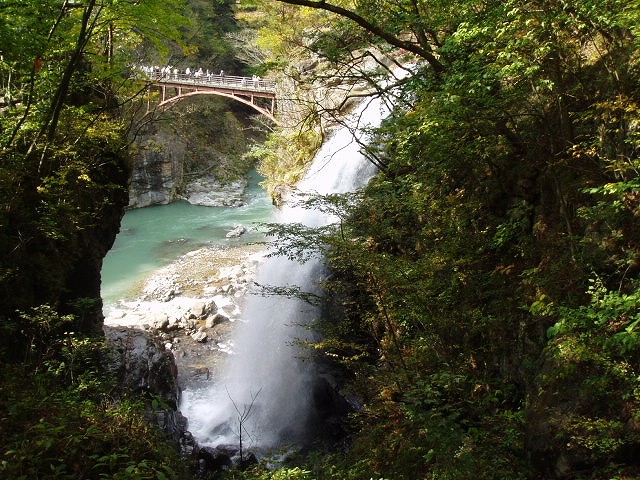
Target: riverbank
(192,305)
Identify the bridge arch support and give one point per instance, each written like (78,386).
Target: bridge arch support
(249,100)
(255,92)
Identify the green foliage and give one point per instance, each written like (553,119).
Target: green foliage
(262,473)
(614,312)
(208,23)
(284,157)
(63,415)
(64,147)
(43,328)
(194,123)
(64,168)
(509,180)
(592,358)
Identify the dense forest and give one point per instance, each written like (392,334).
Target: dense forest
(483,303)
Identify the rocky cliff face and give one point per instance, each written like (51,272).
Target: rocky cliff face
(158,171)
(83,277)
(146,367)
(53,241)
(200,138)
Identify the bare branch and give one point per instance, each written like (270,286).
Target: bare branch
(243,416)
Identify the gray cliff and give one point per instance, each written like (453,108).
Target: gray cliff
(193,151)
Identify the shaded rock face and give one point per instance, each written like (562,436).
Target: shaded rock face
(222,457)
(63,269)
(84,277)
(158,171)
(145,366)
(213,459)
(331,408)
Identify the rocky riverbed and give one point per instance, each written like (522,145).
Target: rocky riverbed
(192,306)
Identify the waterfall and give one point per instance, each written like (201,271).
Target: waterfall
(265,394)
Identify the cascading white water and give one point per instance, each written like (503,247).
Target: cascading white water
(266,389)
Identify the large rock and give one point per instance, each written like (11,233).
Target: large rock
(237,231)
(143,363)
(216,319)
(202,309)
(214,459)
(158,170)
(145,366)
(199,336)
(223,457)
(159,321)
(210,192)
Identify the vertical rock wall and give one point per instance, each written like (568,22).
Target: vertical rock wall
(158,172)
(201,137)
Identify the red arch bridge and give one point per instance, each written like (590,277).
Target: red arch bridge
(256,92)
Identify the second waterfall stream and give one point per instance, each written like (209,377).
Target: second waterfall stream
(264,396)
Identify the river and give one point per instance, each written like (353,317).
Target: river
(153,237)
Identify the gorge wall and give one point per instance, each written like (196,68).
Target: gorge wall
(196,147)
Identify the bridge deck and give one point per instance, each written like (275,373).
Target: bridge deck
(251,85)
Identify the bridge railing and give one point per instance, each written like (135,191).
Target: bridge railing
(253,84)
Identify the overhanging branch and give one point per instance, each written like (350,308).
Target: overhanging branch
(367,25)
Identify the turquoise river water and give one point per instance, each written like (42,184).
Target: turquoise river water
(153,237)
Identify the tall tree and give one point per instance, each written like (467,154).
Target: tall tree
(507,207)
(64,146)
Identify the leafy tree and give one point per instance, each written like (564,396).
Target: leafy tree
(209,23)
(64,140)
(509,181)
(64,415)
